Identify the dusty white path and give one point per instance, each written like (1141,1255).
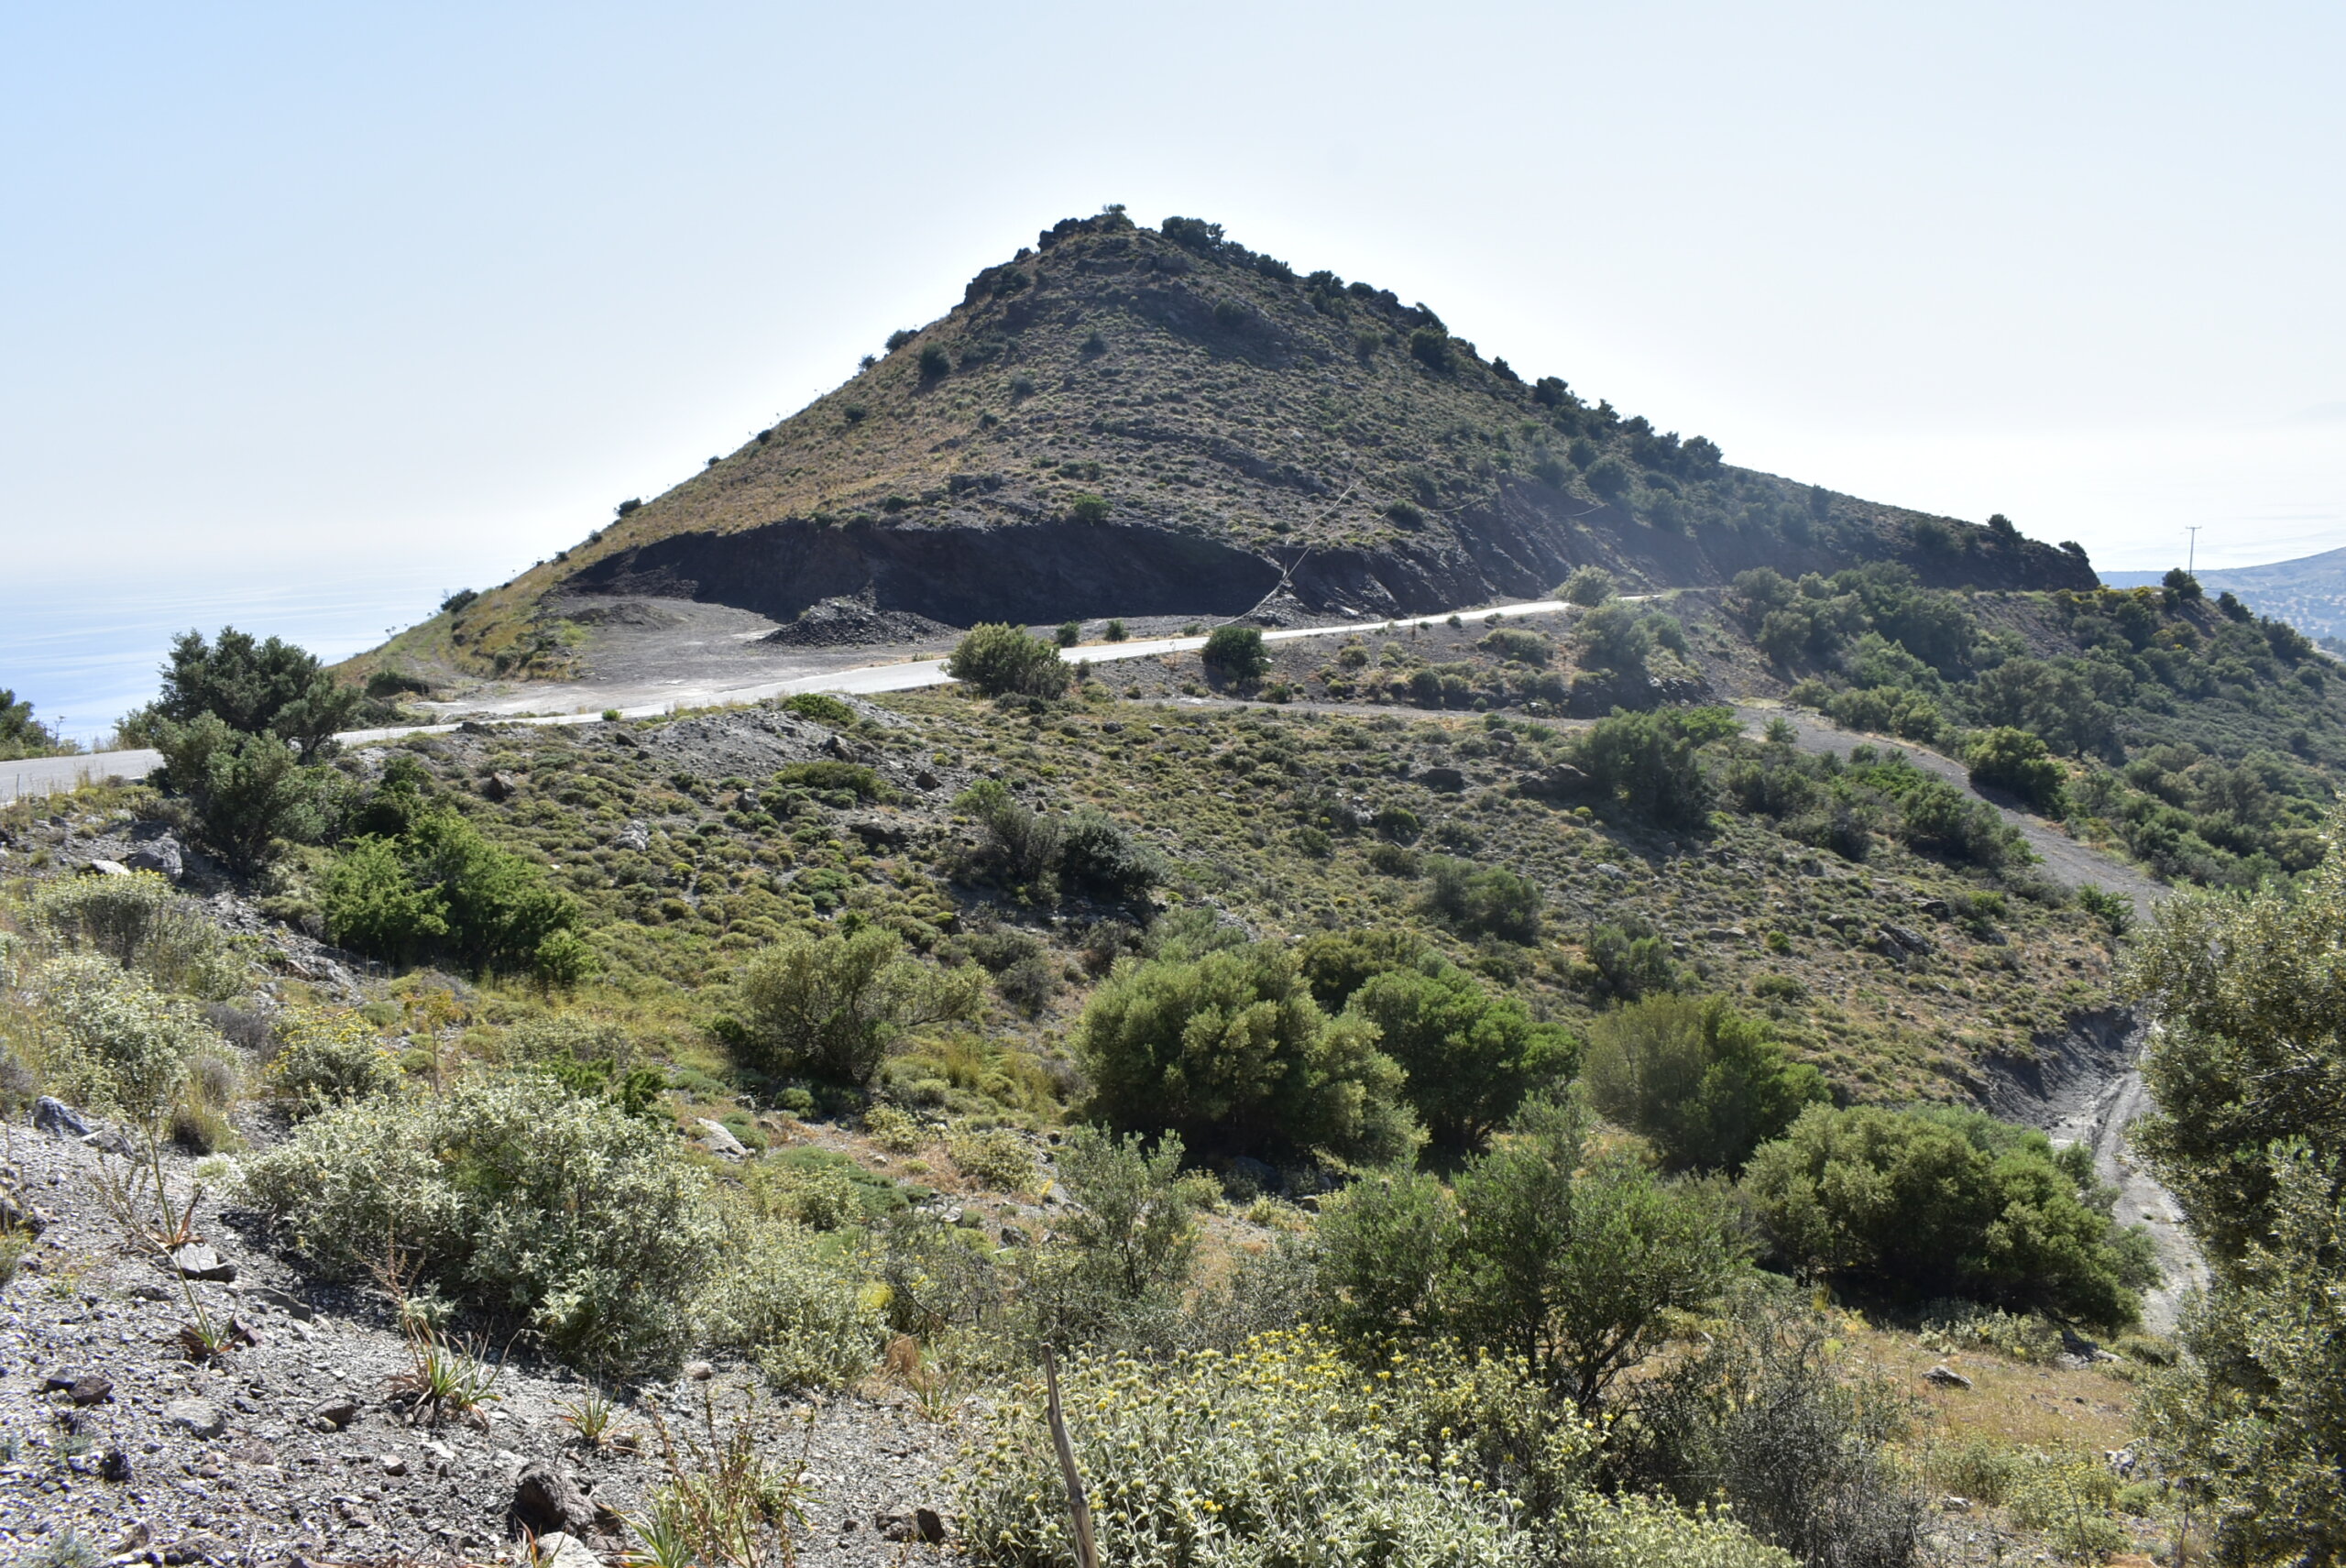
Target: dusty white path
(587,704)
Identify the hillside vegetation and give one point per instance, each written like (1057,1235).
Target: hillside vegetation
(1123,420)
(1480,1027)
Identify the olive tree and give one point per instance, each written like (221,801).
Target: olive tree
(829,1006)
(2248,1065)
(1569,1257)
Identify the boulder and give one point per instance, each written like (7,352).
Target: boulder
(161,854)
(879,833)
(285,1301)
(20,1215)
(335,1413)
(635,838)
(105,868)
(1559,781)
(547,1502)
(196,1546)
(916,1522)
(81,1388)
(564,1551)
(500,787)
(196,1261)
(721,1140)
(1448,779)
(197,1417)
(56,1116)
(1946,1376)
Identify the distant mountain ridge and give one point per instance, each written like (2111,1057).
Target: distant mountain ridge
(1126,421)
(2309,592)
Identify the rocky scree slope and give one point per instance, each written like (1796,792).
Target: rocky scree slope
(1123,420)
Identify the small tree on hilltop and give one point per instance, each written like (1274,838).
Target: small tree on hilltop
(253,687)
(1575,1260)
(1589,586)
(1470,1054)
(246,792)
(1236,653)
(828,1006)
(1003,661)
(1230,1051)
(1706,1084)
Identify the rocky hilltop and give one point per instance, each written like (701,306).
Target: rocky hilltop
(1123,421)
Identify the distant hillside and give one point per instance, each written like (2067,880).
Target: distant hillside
(1124,421)
(2309,593)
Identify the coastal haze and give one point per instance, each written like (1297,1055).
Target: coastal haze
(416,306)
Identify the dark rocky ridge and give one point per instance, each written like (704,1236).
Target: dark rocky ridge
(1135,422)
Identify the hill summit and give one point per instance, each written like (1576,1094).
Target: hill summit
(1134,421)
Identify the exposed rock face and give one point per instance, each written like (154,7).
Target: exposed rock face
(1128,423)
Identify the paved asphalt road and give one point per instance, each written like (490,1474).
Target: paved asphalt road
(46,774)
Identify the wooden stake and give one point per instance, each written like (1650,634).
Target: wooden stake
(1079,1508)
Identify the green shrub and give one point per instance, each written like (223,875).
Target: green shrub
(2004,758)
(1369,1468)
(1770,1418)
(328,1060)
(22,735)
(828,1007)
(141,922)
(1885,710)
(1021,845)
(1589,586)
(1069,633)
(1089,509)
(1651,764)
(820,707)
(1098,856)
(373,905)
(2069,1498)
(123,1045)
(1431,348)
(1918,1204)
(515,1197)
(2251,1140)
(1236,653)
(1624,962)
(1483,900)
(254,688)
(1229,1052)
(1469,1055)
(823,777)
(1335,964)
(2114,910)
(1704,1083)
(1003,661)
(1938,819)
(794,1304)
(1574,1258)
(441,886)
(247,794)
(1514,642)
(1118,1272)
(933,362)
(998,1160)
(817,1194)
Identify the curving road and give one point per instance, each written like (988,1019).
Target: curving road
(587,704)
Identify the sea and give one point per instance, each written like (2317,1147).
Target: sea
(86,655)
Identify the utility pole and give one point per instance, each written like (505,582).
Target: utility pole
(2191,554)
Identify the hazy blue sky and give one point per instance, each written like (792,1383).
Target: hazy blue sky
(417,292)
